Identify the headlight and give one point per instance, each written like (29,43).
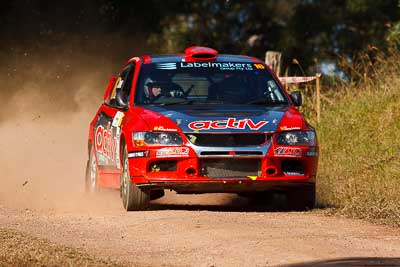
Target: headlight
(296,138)
(156,138)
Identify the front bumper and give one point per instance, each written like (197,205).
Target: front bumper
(226,186)
(201,170)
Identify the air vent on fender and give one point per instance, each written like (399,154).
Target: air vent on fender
(200,53)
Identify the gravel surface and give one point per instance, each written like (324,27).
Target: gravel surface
(46,220)
(179,230)
(18,249)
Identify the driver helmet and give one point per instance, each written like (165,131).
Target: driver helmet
(148,86)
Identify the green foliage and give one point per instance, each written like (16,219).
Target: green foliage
(359,171)
(310,31)
(393,35)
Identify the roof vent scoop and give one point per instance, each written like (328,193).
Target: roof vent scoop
(200,53)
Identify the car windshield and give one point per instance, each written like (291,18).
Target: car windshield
(238,83)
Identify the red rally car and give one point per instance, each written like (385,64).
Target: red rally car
(201,122)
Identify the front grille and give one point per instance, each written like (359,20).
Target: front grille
(228,140)
(230,168)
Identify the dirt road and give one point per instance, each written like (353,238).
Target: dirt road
(207,230)
(42,161)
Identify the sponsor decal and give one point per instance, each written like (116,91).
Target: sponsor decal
(116,123)
(288,151)
(117,119)
(138,154)
(259,66)
(172,152)
(285,128)
(252,177)
(105,141)
(230,123)
(161,128)
(219,65)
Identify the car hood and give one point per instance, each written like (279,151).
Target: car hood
(222,118)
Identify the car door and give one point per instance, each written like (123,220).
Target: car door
(107,129)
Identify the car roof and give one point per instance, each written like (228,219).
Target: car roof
(219,58)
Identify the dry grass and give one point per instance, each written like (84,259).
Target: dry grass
(359,170)
(17,249)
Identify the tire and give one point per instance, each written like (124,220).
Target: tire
(91,177)
(258,197)
(156,194)
(301,198)
(133,198)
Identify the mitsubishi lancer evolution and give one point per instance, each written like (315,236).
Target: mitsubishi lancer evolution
(201,122)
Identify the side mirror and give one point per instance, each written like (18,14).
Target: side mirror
(296,98)
(109,87)
(121,101)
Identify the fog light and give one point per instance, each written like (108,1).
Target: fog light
(190,171)
(271,171)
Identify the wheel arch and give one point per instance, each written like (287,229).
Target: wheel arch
(89,147)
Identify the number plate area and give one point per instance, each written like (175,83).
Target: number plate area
(230,168)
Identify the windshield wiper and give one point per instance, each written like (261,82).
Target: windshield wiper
(266,101)
(206,102)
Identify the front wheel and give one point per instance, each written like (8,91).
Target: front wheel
(301,198)
(133,198)
(91,184)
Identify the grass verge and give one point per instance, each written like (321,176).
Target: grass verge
(359,169)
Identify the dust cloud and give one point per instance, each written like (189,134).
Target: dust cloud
(43,160)
(48,101)
(45,114)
